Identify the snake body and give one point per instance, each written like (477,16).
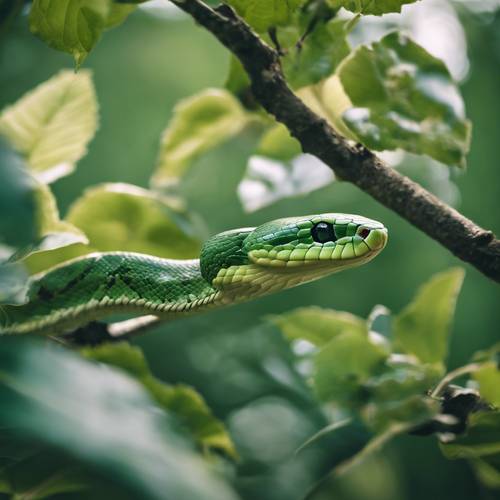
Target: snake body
(233,267)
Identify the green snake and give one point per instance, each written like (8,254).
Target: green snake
(234,266)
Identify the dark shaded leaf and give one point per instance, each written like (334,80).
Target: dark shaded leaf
(101,417)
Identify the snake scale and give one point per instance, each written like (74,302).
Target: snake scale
(233,267)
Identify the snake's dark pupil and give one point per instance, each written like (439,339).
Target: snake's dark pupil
(323,232)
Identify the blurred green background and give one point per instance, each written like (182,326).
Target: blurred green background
(141,69)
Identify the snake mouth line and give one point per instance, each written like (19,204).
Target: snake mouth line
(347,250)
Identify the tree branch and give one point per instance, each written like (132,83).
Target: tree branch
(353,163)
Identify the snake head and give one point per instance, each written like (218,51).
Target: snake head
(334,241)
(286,252)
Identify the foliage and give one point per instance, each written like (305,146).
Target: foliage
(314,389)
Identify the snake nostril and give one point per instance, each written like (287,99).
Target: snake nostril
(364,233)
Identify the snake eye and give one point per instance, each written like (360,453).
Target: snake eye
(323,232)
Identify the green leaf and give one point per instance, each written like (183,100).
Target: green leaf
(328,100)
(182,401)
(398,393)
(323,50)
(375,7)
(200,123)
(481,440)
(118,13)
(316,325)
(73,26)
(264,14)
(51,232)
(278,144)
(422,328)
(51,125)
(238,81)
(488,470)
(17,200)
(126,217)
(102,418)
(344,364)
(405,98)
(488,378)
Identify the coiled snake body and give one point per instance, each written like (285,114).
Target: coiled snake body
(233,267)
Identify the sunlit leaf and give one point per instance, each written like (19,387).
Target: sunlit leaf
(118,13)
(200,123)
(329,100)
(264,14)
(127,217)
(73,26)
(101,417)
(488,377)
(277,143)
(405,98)
(124,217)
(52,124)
(319,55)
(316,325)
(267,181)
(17,200)
(422,328)
(182,401)
(375,7)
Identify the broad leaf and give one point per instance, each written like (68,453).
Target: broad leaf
(488,470)
(51,232)
(329,100)
(344,364)
(264,14)
(73,26)
(127,217)
(200,123)
(488,377)
(118,13)
(52,124)
(376,7)
(278,144)
(319,55)
(316,325)
(399,393)
(405,98)
(102,418)
(17,200)
(182,401)
(422,328)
